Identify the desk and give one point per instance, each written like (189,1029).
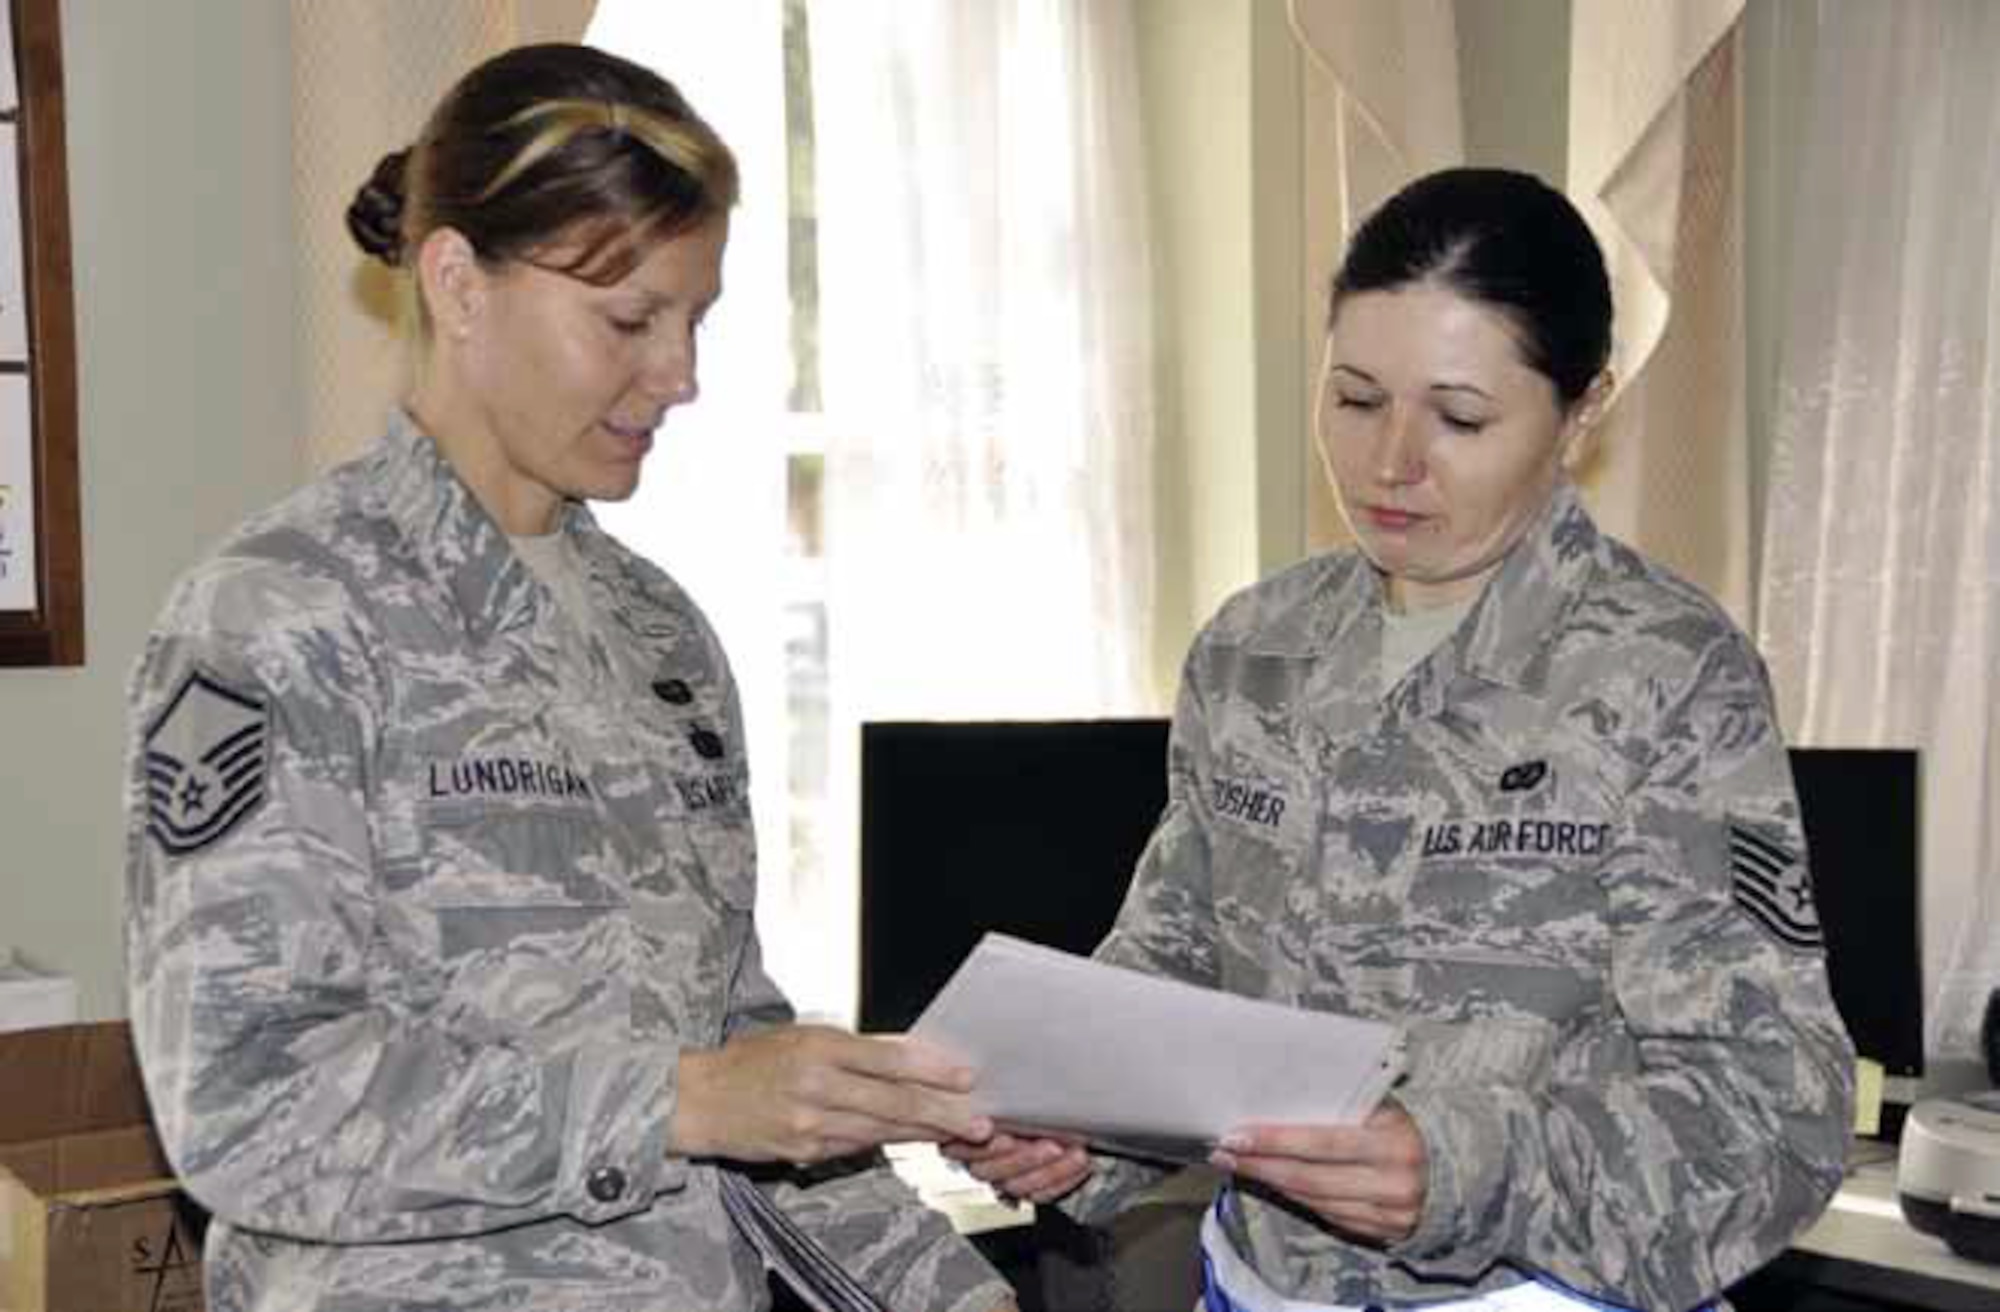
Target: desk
(1862,1249)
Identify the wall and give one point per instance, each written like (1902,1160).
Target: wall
(1285,457)
(1222,104)
(179,175)
(1198,177)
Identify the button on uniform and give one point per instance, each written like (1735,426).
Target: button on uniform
(674,692)
(707,743)
(605,1183)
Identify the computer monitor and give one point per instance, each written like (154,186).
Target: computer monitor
(1860,808)
(1027,828)
(1033,828)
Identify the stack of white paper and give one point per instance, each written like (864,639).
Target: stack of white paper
(1142,1064)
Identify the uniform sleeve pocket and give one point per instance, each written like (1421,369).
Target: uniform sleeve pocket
(725,846)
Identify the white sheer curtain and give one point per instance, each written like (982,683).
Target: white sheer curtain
(985,321)
(1880,610)
(711,509)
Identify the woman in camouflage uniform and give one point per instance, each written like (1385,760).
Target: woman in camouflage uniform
(1494,777)
(442,963)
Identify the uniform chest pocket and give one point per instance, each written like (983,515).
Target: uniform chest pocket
(527,923)
(1260,813)
(1259,803)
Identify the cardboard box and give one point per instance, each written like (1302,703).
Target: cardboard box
(90,1217)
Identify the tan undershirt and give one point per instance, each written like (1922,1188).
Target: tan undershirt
(551,558)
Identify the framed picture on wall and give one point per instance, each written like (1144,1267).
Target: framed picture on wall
(41,538)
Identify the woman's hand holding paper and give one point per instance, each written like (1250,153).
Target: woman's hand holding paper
(1367,1180)
(1033,1170)
(806,1093)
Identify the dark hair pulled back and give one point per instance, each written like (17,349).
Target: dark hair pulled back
(375,218)
(1506,240)
(546,146)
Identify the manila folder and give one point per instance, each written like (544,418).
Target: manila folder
(1142,1064)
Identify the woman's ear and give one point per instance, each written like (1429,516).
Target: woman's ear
(1579,437)
(451,281)
(1596,399)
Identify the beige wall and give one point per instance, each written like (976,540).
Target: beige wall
(1198,176)
(1278,206)
(179,151)
(1222,102)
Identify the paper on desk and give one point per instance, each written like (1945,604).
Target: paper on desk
(1142,1064)
(1868,1074)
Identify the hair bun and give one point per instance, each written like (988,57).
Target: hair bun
(375,216)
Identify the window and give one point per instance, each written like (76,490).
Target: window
(805,601)
(732,500)
(919,481)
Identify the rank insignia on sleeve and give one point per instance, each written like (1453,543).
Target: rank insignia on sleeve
(1769,882)
(205,763)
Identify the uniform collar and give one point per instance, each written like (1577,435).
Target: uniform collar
(1349,607)
(1528,597)
(639,600)
(461,545)
(493,591)
(1503,641)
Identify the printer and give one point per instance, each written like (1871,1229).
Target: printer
(1948,1172)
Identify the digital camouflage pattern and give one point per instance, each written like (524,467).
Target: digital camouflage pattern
(1565,852)
(428,887)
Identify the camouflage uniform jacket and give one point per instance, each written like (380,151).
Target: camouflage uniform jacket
(425,897)
(1564,851)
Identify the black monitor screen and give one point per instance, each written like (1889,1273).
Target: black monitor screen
(1860,813)
(1033,828)
(1028,828)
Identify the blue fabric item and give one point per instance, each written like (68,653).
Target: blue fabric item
(1214,1298)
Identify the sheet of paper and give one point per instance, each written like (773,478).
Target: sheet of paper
(1867,1096)
(10,86)
(13,271)
(1142,1064)
(18,590)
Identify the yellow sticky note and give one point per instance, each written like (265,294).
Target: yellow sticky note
(1867,1096)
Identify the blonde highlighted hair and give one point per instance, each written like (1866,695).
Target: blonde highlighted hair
(558,155)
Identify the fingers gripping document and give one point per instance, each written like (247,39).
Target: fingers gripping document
(1143,1065)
